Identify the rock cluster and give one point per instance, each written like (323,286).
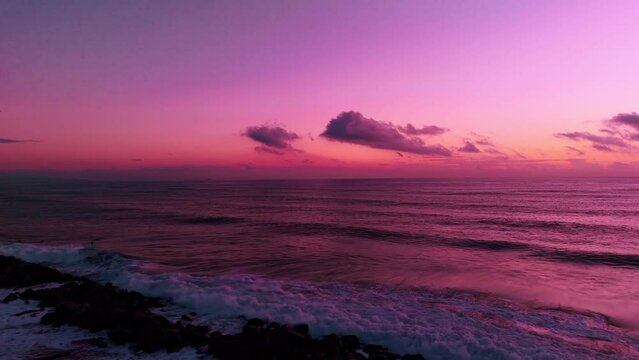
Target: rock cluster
(18,273)
(265,340)
(128,318)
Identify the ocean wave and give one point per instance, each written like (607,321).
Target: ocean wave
(588,257)
(308,228)
(445,324)
(495,245)
(209,220)
(558,226)
(553,254)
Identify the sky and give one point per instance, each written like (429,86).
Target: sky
(262,89)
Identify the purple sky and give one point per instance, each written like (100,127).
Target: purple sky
(319,88)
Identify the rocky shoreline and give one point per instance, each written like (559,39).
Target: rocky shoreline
(127,318)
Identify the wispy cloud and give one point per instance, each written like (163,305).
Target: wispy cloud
(409,129)
(607,143)
(617,134)
(575,150)
(626,124)
(13,141)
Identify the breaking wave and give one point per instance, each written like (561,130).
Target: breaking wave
(442,324)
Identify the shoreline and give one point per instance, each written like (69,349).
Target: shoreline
(124,317)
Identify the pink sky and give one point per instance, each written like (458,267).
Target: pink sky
(173,87)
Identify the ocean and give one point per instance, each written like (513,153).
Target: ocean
(449,268)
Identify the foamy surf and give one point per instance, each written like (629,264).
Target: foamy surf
(439,324)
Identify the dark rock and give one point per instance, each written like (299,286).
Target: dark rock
(121,336)
(96,342)
(301,329)
(372,349)
(18,273)
(351,342)
(9,298)
(51,318)
(256,322)
(413,357)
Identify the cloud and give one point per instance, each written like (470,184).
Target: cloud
(493,151)
(598,142)
(575,150)
(399,154)
(469,147)
(630,119)
(519,155)
(409,129)
(484,141)
(273,140)
(618,134)
(268,150)
(481,140)
(602,147)
(136,160)
(13,141)
(352,127)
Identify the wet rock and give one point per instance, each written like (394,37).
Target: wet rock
(301,329)
(96,342)
(413,357)
(18,273)
(121,336)
(351,342)
(52,319)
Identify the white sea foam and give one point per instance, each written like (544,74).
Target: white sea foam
(438,324)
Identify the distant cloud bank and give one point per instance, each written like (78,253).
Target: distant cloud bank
(617,134)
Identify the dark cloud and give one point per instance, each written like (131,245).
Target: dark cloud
(409,129)
(352,127)
(469,147)
(630,119)
(598,142)
(12,141)
(274,140)
(275,136)
(621,123)
(400,154)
